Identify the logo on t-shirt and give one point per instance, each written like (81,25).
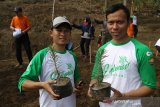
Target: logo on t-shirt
(149,53)
(69,72)
(122,65)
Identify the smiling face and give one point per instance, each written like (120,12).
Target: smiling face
(117,25)
(60,36)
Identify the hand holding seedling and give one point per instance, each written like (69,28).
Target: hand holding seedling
(90,85)
(117,94)
(46,86)
(79,86)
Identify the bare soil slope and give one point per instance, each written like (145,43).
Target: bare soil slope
(40,14)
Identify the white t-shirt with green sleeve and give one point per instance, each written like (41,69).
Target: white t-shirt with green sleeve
(126,67)
(157,43)
(42,68)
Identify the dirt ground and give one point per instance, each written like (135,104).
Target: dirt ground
(40,15)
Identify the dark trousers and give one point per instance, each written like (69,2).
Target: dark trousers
(84,44)
(135,30)
(24,39)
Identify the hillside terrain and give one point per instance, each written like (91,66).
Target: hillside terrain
(40,14)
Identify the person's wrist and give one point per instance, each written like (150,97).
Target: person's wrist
(42,85)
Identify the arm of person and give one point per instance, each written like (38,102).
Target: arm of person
(147,73)
(140,92)
(29,80)
(143,91)
(26,30)
(78,85)
(77,26)
(97,72)
(12,28)
(30,85)
(92,82)
(12,25)
(77,79)
(28,24)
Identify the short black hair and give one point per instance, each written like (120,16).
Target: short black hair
(18,9)
(116,7)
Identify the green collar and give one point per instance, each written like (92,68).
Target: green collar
(53,50)
(118,44)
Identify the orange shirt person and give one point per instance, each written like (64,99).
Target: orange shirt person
(21,22)
(130,30)
(20,25)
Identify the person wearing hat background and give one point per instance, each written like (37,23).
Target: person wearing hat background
(41,71)
(87,34)
(157,46)
(20,25)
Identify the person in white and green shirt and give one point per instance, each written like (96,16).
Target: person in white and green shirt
(157,45)
(124,62)
(41,71)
